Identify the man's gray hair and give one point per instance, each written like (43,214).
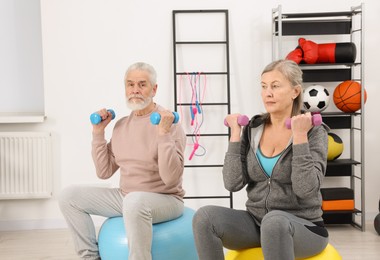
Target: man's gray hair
(145,67)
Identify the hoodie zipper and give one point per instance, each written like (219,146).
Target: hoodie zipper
(269,178)
(268,182)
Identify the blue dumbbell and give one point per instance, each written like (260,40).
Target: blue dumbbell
(95,118)
(155,118)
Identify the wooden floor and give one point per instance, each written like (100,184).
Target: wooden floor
(351,243)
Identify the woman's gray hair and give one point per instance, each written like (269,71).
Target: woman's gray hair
(293,73)
(145,67)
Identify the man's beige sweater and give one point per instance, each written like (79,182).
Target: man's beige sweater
(147,162)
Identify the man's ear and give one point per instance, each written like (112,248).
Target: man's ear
(154,90)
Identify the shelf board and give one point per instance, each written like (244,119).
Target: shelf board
(342,162)
(339,120)
(339,216)
(316,23)
(340,167)
(12,118)
(339,114)
(326,75)
(319,15)
(329,65)
(315,27)
(341,211)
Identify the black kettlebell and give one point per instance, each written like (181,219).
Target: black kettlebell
(377,221)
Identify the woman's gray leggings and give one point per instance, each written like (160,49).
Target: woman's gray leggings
(281,235)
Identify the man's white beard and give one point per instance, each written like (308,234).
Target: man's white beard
(138,105)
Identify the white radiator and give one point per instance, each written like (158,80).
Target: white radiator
(25,165)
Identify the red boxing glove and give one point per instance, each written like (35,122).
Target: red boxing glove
(296,55)
(342,52)
(310,50)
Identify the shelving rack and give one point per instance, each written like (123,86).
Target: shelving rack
(201,43)
(345,24)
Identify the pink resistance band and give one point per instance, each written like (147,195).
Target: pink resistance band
(196,110)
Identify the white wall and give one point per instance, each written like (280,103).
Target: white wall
(88,44)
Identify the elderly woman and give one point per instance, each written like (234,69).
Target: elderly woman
(282,170)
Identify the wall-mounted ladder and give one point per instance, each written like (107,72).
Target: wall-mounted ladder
(224,73)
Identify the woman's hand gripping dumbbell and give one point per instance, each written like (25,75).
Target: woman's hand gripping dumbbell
(242,120)
(316,119)
(300,125)
(235,122)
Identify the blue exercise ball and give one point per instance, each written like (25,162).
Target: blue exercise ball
(172,240)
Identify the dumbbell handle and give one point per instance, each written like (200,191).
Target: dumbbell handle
(316,119)
(242,120)
(155,118)
(95,118)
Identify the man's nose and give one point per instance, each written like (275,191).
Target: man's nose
(136,89)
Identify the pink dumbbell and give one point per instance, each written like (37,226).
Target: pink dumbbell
(316,119)
(242,120)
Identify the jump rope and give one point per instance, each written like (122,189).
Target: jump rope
(196,109)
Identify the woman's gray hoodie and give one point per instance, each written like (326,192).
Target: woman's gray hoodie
(295,183)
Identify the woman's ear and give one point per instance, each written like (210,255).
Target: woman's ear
(296,91)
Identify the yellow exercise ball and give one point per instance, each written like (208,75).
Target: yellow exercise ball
(247,254)
(335,147)
(329,253)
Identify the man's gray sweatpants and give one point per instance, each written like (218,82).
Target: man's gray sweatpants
(139,210)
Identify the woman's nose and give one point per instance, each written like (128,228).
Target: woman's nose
(268,92)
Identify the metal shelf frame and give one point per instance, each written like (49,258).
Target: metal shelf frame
(332,23)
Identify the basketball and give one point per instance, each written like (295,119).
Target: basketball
(335,147)
(347,96)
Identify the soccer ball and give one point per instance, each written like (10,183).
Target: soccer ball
(316,98)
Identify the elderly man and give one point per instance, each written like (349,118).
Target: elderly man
(151,162)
